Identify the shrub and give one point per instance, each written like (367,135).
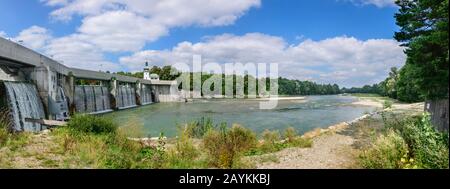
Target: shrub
(198,129)
(225,146)
(184,154)
(387,152)
(428,146)
(5,124)
(271,139)
(387,104)
(84,123)
(290,133)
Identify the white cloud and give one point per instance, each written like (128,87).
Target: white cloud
(34,37)
(76,51)
(345,60)
(166,12)
(120,31)
(3,34)
(55,2)
(126,25)
(378,3)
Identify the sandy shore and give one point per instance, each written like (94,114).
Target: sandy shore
(280,98)
(369,102)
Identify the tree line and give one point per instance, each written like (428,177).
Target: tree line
(424,33)
(285,86)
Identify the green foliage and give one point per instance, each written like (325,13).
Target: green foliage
(198,129)
(425,146)
(290,134)
(407,89)
(185,154)
(296,87)
(91,124)
(271,140)
(273,143)
(5,124)
(387,104)
(225,146)
(386,152)
(424,31)
(428,146)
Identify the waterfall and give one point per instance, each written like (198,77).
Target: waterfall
(92,99)
(146,93)
(126,96)
(24,103)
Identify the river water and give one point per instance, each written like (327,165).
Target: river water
(303,115)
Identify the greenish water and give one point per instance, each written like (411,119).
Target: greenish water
(304,115)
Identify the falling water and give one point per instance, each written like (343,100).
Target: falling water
(92,99)
(146,93)
(126,96)
(24,103)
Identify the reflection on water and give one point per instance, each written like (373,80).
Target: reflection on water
(305,115)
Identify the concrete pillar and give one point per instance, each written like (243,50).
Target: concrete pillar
(113,93)
(69,90)
(138,90)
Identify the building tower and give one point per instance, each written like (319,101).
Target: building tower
(146,71)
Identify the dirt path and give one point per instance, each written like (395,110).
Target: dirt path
(329,151)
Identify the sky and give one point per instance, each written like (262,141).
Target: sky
(348,42)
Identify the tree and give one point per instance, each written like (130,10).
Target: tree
(424,31)
(407,90)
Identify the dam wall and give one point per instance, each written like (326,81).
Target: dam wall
(63,91)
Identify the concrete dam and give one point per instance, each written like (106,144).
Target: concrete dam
(33,86)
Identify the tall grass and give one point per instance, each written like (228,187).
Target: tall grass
(198,129)
(425,146)
(5,125)
(85,123)
(386,152)
(225,146)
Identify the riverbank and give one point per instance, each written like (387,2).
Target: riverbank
(334,147)
(338,146)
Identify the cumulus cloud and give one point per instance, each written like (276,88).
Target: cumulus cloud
(34,37)
(345,60)
(120,31)
(126,25)
(3,34)
(378,3)
(76,51)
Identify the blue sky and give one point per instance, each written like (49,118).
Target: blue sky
(319,40)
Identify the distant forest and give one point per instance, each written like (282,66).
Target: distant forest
(285,86)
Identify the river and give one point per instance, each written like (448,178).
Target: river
(303,115)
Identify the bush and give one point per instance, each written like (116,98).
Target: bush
(387,104)
(225,146)
(198,129)
(387,152)
(5,124)
(185,154)
(84,123)
(290,134)
(428,146)
(271,141)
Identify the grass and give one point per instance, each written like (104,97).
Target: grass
(410,142)
(274,142)
(96,142)
(225,146)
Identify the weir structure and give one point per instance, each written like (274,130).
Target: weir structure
(35,86)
